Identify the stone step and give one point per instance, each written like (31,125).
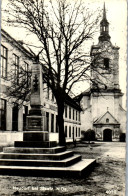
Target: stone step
(35,144)
(57,156)
(35,136)
(52,150)
(41,163)
(79,169)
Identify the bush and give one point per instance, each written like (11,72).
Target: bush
(89,135)
(122,137)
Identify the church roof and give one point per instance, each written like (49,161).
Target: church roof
(106,118)
(87,92)
(90,90)
(122,108)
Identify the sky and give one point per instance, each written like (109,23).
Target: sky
(116,11)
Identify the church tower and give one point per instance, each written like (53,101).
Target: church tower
(102,102)
(105,59)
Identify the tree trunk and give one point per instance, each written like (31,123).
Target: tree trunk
(61,124)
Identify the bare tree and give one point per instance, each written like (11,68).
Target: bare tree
(20,88)
(63,28)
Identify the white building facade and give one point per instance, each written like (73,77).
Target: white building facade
(13,118)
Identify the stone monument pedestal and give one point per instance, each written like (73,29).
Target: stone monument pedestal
(35,134)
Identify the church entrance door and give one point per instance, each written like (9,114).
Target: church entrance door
(107,135)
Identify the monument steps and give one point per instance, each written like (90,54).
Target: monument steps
(79,169)
(56,156)
(35,144)
(53,150)
(41,163)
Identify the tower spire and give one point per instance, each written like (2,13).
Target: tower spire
(104,27)
(104,12)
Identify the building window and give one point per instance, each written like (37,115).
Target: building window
(47,121)
(76,115)
(69,112)
(73,133)
(79,132)
(57,128)
(26,73)
(52,122)
(79,116)
(65,131)
(4,56)
(106,63)
(73,114)
(16,67)
(70,131)
(52,97)
(2,114)
(65,111)
(76,131)
(15,112)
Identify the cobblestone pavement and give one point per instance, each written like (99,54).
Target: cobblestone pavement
(108,177)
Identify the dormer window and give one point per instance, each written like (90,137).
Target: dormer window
(106,63)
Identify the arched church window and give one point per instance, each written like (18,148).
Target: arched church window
(107,120)
(106,63)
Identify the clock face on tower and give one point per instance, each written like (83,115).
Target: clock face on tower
(106,47)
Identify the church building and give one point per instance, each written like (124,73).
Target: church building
(102,102)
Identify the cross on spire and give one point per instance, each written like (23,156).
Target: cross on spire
(104,12)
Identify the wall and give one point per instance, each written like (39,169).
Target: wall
(8,137)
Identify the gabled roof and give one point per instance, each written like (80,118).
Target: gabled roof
(103,119)
(17,44)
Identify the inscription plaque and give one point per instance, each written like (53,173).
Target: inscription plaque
(34,122)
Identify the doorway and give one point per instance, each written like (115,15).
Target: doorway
(107,135)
